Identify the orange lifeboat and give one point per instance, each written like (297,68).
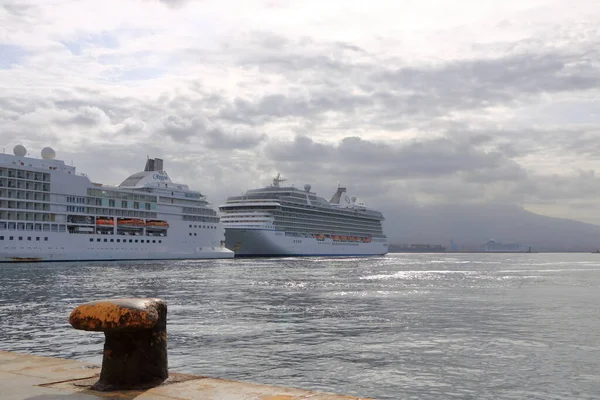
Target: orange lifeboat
(131,222)
(163,224)
(105,221)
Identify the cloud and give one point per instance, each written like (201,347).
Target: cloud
(180,129)
(432,158)
(501,78)
(213,136)
(16,9)
(492,103)
(10,56)
(174,3)
(218,139)
(421,91)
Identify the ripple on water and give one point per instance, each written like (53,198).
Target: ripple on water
(426,326)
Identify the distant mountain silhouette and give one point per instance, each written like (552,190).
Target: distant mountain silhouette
(469,226)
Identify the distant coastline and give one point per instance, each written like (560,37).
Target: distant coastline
(494,252)
(416,248)
(438,248)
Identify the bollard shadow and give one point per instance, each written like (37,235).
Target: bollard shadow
(89,395)
(84,389)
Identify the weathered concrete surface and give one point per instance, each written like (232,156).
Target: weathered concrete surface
(135,350)
(21,376)
(26,377)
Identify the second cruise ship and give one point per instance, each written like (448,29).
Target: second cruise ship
(286,221)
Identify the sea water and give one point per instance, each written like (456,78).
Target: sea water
(402,326)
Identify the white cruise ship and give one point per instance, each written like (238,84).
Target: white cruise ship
(286,221)
(494,246)
(48,212)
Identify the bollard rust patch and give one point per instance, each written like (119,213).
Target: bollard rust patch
(115,314)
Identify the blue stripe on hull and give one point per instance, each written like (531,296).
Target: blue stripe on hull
(307,255)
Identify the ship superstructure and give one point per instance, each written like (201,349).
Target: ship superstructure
(48,212)
(285,221)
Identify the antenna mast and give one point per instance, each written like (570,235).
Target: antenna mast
(277,180)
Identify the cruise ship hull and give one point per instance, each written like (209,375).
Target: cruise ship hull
(270,243)
(60,247)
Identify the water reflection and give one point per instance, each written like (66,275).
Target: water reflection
(402,326)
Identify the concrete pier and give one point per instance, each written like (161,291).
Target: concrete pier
(27,377)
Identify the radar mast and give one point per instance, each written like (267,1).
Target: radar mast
(277,180)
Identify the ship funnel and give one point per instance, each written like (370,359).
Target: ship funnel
(149,165)
(154,164)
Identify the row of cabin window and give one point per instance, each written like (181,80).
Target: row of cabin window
(16,173)
(204,226)
(125,240)
(74,199)
(103,193)
(29,226)
(111,202)
(205,218)
(37,239)
(24,195)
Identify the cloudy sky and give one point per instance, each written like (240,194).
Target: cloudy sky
(404,102)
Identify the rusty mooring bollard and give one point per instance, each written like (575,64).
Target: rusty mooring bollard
(135,350)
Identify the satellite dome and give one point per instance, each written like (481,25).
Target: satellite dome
(353,198)
(307,187)
(20,150)
(48,153)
